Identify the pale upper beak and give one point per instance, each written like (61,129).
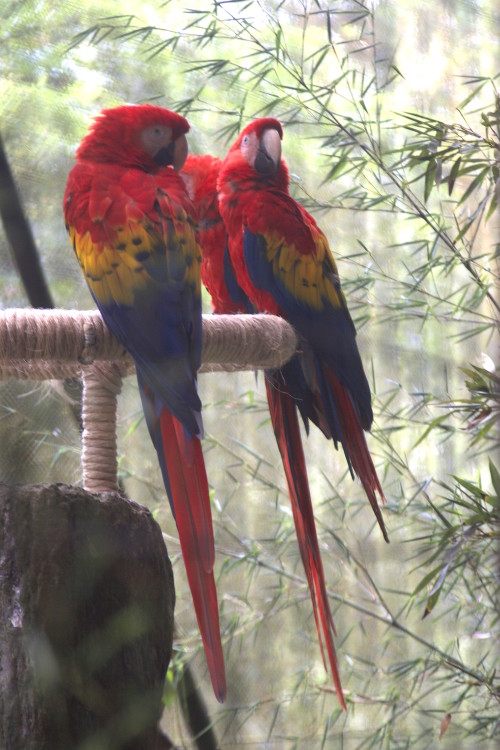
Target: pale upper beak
(269,153)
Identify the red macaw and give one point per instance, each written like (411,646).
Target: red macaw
(132,226)
(201,174)
(282,262)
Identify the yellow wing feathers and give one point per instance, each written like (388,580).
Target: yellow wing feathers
(137,254)
(311,278)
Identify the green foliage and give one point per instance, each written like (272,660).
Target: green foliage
(402,171)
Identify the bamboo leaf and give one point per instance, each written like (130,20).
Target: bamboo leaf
(472,95)
(463,231)
(329,26)
(492,207)
(277,43)
(433,598)
(430,174)
(473,489)
(320,59)
(495,477)
(397,70)
(476,182)
(435,423)
(454,174)
(445,723)
(426,580)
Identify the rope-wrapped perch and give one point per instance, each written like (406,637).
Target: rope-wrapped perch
(59,344)
(70,339)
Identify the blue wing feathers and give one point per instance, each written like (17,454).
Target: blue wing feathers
(329,331)
(259,269)
(160,339)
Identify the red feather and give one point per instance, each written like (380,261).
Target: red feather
(191,505)
(200,174)
(287,431)
(355,447)
(131,223)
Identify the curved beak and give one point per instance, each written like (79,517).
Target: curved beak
(269,153)
(174,155)
(164,157)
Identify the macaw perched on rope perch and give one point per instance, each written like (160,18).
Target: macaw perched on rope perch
(132,226)
(275,259)
(200,173)
(283,263)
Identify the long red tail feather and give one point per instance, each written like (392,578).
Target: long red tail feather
(287,431)
(191,503)
(354,442)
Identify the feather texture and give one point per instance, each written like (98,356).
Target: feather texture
(132,227)
(282,388)
(283,263)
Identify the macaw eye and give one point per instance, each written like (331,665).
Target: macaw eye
(160,132)
(245,140)
(155,137)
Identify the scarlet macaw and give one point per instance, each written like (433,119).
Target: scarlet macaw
(200,174)
(132,226)
(282,262)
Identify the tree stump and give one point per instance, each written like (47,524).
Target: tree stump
(86,604)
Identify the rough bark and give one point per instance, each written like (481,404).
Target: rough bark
(86,605)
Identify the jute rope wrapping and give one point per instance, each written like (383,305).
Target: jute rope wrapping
(59,344)
(102,383)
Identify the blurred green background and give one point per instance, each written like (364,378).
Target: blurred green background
(410,209)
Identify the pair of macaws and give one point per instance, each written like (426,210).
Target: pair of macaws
(137,209)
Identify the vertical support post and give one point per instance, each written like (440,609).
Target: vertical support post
(102,382)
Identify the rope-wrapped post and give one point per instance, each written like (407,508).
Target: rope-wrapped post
(48,338)
(102,383)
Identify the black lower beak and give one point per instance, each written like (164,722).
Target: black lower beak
(165,156)
(264,164)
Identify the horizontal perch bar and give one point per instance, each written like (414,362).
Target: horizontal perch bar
(50,343)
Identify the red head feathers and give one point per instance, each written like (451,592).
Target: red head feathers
(256,154)
(141,136)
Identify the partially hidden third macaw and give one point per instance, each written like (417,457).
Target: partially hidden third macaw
(283,264)
(201,174)
(132,226)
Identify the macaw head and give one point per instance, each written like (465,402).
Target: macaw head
(200,174)
(256,155)
(142,136)
(260,145)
